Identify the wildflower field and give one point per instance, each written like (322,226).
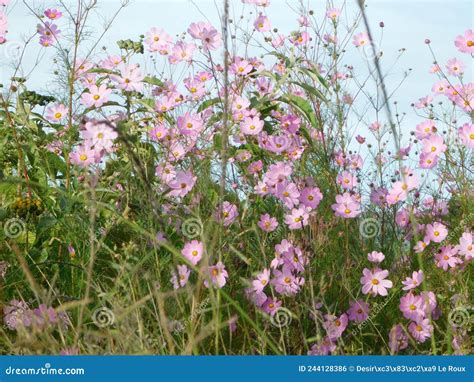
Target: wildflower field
(238,188)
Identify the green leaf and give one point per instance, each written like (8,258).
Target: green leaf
(152,80)
(303,106)
(310,89)
(210,102)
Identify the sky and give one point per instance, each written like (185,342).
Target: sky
(407,25)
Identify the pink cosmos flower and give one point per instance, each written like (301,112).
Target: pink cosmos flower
(412,307)
(278,41)
(446,257)
(158,133)
(358,311)
(210,38)
(228,212)
(376,257)
(466,247)
(303,21)
(299,38)
(436,232)
(111,62)
(190,124)
(100,135)
(251,125)
(346,206)
(310,197)
(180,279)
(326,347)
(262,281)
(428,160)
(434,144)
(414,281)
(423,102)
(420,246)
(466,133)
(360,39)
(130,78)
(217,275)
(182,52)
(346,180)
(267,223)
(157,40)
(440,87)
(378,196)
(285,282)
(96,96)
(398,340)
(271,306)
(165,173)
(241,67)
(335,326)
(288,193)
(52,14)
(400,189)
(421,329)
(297,218)
(48,30)
(56,113)
(193,251)
(425,129)
(81,66)
(84,156)
(333,13)
(182,183)
(294,259)
(465,43)
(262,24)
(455,67)
(374,282)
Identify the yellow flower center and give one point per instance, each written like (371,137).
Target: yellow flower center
(347,211)
(412,307)
(194,253)
(83,157)
(375,282)
(58,115)
(96,97)
(287,280)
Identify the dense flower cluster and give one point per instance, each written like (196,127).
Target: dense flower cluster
(292,173)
